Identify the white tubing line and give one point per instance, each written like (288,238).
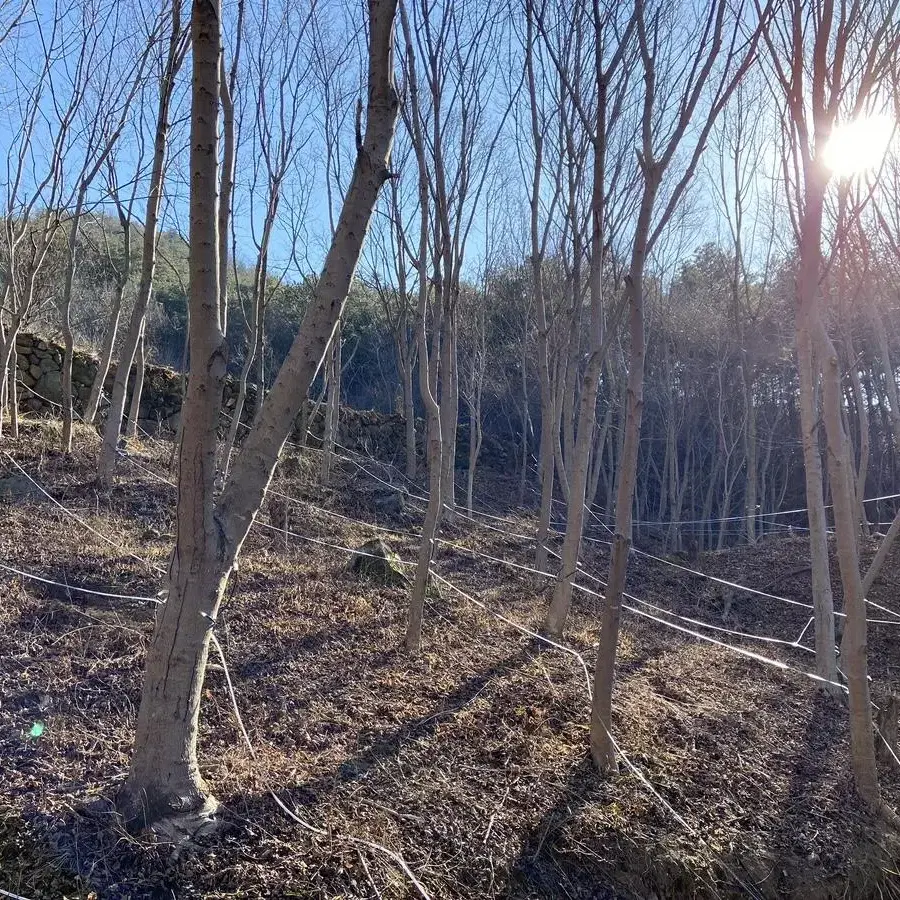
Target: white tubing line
(72,587)
(750,654)
(372,845)
(631,766)
(12,896)
(81,521)
(583,589)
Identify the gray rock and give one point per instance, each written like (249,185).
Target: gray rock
(389,502)
(377,561)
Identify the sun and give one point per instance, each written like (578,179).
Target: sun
(859,145)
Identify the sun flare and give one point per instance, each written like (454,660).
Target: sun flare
(859,145)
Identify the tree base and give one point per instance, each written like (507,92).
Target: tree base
(182,830)
(178,820)
(187,829)
(604,756)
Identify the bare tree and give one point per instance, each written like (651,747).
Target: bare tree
(829,60)
(278,138)
(607,62)
(112,92)
(428,356)
(699,77)
(453,141)
(176,47)
(122,266)
(540,235)
(164,780)
(36,181)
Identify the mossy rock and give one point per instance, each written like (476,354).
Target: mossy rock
(375,560)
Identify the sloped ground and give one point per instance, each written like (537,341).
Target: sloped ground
(470,762)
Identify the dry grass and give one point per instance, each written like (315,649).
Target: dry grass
(469,761)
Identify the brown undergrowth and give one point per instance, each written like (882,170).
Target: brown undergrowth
(469,761)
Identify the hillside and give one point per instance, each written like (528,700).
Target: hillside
(468,763)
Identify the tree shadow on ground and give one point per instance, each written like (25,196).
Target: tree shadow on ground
(539,871)
(810,758)
(386,744)
(89,841)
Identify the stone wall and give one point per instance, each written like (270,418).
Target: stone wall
(39,366)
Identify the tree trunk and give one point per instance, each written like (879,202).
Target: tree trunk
(587,411)
(409,414)
(137,388)
(164,779)
(853,647)
(823,601)
(862,421)
(429,363)
(65,321)
(429,526)
(12,393)
(449,404)
(332,406)
(476,434)
(751,451)
(562,593)
(526,423)
(7,354)
(113,426)
(602,749)
(106,353)
(241,398)
(68,411)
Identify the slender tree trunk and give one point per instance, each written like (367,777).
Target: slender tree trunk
(526,424)
(429,365)
(887,371)
(547,471)
(65,320)
(409,414)
(12,393)
(243,380)
(7,353)
(602,748)
(68,411)
(562,593)
(823,601)
(106,353)
(853,647)
(587,412)
(476,433)
(706,514)
(332,405)
(449,404)
(429,526)
(137,388)
(599,449)
(862,421)
(751,451)
(148,265)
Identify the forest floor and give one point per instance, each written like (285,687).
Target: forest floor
(469,762)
